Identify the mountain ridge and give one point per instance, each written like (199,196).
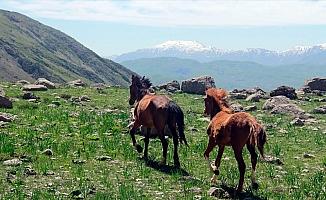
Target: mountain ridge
(30,50)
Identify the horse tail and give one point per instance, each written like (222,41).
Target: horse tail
(258,137)
(176,113)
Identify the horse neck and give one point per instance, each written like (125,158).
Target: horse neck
(143,92)
(220,108)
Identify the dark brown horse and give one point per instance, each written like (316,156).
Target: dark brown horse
(155,111)
(232,129)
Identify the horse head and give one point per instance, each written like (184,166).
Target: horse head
(215,101)
(138,88)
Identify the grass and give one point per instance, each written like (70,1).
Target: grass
(79,133)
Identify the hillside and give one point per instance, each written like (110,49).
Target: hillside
(227,74)
(29,50)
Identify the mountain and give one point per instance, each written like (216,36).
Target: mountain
(29,50)
(194,50)
(227,74)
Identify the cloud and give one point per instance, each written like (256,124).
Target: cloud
(179,13)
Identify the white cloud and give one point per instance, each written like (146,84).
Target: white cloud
(179,13)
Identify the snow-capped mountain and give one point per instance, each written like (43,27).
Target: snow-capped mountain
(199,52)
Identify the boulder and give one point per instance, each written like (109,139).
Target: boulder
(291,109)
(23,82)
(29,95)
(6,117)
(315,84)
(78,83)
(238,95)
(45,82)
(32,87)
(250,108)
(197,85)
(172,86)
(12,162)
(236,107)
(254,97)
(320,110)
(284,91)
(274,101)
(5,102)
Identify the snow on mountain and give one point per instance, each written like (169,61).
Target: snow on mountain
(197,51)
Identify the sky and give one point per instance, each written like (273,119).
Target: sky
(116,27)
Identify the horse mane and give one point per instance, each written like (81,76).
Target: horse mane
(146,82)
(142,83)
(219,95)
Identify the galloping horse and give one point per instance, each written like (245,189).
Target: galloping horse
(232,129)
(155,111)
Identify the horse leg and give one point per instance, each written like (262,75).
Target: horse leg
(253,156)
(132,132)
(164,146)
(175,144)
(217,163)
(210,147)
(241,166)
(146,141)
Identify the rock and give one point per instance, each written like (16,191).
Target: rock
(297,122)
(6,117)
(78,83)
(197,85)
(46,83)
(320,110)
(32,87)
(274,101)
(78,161)
(84,98)
(12,162)
(5,102)
(204,119)
(307,155)
(29,95)
(273,160)
(284,91)
(217,192)
(255,90)
(103,158)
(57,103)
(237,95)
(172,86)
(291,109)
(99,86)
(236,107)
(23,82)
(47,152)
(315,84)
(29,171)
(254,97)
(2,92)
(250,108)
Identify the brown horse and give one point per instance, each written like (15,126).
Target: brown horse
(155,111)
(232,129)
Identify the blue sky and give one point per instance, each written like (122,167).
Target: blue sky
(115,27)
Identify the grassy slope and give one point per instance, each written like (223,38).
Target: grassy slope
(227,74)
(29,47)
(82,132)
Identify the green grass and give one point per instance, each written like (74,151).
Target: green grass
(83,132)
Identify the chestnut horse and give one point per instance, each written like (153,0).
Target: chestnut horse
(232,129)
(155,111)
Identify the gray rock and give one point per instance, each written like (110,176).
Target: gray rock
(236,107)
(254,97)
(284,91)
(32,87)
(46,83)
(23,82)
(217,192)
(274,101)
(320,110)
(318,84)
(29,95)
(103,158)
(78,161)
(273,160)
(78,83)
(250,108)
(197,85)
(172,86)
(84,98)
(47,152)
(5,102)
(12,162)
(6,117)
(291,109)
(29,171)
(297,122)
(307,155)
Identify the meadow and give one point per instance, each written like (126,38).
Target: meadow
(93,157)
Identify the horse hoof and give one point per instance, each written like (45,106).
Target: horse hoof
(139,148)
(255,186)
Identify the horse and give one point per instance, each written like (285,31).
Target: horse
(155,111)
(227,128)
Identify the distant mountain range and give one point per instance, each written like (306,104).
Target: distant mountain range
(199,52)
(179,60)
(29,50)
